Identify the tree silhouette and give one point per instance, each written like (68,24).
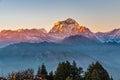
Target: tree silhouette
(96,72)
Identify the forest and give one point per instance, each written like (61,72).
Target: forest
(65,71)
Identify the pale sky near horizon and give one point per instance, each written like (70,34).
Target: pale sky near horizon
(97,15)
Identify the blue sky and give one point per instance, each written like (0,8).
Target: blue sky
(98,15)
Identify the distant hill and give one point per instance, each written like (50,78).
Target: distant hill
(17,56)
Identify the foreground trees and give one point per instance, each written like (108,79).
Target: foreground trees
(96,72)
(42,72)
(21,75)
(64,71)
(67,71)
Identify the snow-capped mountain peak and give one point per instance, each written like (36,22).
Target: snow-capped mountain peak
(69,27)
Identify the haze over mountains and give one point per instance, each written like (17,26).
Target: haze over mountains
(59,31)
(67,40)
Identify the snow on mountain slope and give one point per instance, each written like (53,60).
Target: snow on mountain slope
(112,36)
(23,35)
(60,30)
(70,27)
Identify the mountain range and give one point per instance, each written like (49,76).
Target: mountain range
(67,40)
(59,31)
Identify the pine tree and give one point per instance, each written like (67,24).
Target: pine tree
(95,75)
(43,71)
(75,71)
(60,73)
(65,71)
(39,71)
(96,72)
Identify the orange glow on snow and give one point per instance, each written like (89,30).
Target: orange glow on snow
(81,28)
(61,28)
(57,24)
(19,30)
